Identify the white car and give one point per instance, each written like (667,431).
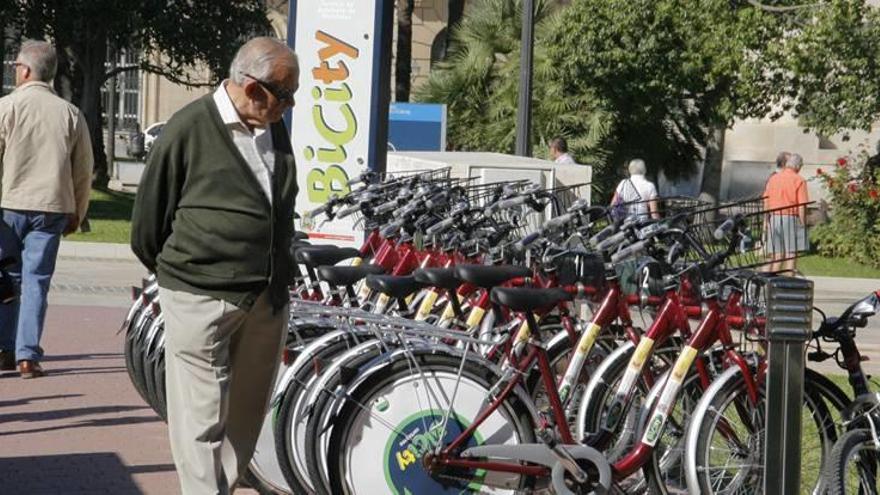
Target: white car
(151,133)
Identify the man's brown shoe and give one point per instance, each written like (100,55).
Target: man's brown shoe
(30,369)
(7,361)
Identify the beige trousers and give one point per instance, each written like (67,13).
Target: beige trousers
(220,366)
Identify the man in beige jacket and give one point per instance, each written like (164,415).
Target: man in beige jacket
(47,164)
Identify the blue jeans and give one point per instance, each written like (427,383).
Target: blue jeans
(32,238)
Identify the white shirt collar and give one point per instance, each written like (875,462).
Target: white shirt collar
(224,104)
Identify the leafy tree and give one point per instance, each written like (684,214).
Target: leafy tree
(832,63)
(478,82)
(186,41)
(659,79)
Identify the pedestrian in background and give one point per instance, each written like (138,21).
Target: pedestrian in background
(559,151)
(635,195)
(213,219)
(781,160)
(47,172)
(785,195)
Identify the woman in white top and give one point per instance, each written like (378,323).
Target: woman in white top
(636,194)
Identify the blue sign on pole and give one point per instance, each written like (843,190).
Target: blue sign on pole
(417,127)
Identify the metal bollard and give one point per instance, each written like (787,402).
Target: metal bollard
(789,319)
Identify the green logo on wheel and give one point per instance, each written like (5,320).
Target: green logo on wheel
(412,439)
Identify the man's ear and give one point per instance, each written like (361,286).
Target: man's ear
(253,90)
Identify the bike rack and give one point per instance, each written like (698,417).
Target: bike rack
(789,326)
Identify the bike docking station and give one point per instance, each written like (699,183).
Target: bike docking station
(789,327)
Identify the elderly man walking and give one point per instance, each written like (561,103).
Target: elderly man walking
(47,172)
(785,195)
(214,218)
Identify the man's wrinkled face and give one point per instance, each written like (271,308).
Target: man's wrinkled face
(273,95)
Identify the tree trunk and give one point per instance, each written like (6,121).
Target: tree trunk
(403,59)
(712,167)
(91,58)
(456,11)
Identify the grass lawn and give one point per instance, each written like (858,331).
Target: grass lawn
(815,264)
(109,217)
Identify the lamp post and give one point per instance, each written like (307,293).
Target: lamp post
(524,103)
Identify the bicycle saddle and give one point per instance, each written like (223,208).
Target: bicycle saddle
(346,275)
(395,286)
(489,276)
(523,299)
(324,255)
(442,278)
(300,236)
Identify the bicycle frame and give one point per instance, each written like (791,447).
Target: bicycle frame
(714,327)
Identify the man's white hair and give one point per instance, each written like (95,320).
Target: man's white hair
(40,58)
(795,161)
(259,57)
(637,167)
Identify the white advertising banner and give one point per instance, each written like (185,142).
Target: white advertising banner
(337,119)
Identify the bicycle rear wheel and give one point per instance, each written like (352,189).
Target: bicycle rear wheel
(396,417)
(853,465)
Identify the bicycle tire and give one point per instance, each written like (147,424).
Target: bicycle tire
(328,400)
(848,446)
(137,357)
(665,472)
(594,408)
(396,381)
(730,387)
(298,479)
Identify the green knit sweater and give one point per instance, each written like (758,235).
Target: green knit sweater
(201,220)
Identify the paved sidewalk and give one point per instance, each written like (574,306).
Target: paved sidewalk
(84,430)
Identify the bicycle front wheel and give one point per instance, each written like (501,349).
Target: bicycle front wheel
(406,411)
(852,465)
(725,441)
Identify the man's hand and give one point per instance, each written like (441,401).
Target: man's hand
(72,224)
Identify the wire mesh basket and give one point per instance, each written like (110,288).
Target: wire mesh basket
(662,207)
(748,235)
(561,198)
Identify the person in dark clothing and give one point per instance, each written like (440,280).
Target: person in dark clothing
(214,218)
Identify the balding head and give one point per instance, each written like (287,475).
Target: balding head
(795,161)
(40,58)
(263,77)
(261,58)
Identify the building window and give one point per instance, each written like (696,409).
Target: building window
(128,90)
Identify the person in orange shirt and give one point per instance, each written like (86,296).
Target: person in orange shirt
(785,195)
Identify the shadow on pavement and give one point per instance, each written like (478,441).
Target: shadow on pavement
(21,402)
(84,371)
(96,423)
(71,474)
(31,416)
(76,357)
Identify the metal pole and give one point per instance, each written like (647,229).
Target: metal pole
(789,326)
(524,106)
(111,119)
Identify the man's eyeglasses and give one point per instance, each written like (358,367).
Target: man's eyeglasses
(282,95)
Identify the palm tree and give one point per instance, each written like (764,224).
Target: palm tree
(479,82)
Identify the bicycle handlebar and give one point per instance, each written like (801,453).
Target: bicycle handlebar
(440,226)
(628,251)
(611,242)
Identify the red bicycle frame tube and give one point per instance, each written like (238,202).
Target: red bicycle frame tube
(701,338)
